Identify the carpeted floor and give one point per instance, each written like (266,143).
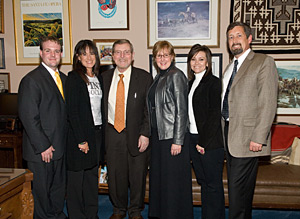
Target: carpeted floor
(105,211)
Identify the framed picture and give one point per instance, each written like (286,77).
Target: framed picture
(184,23)
(108,14)
(35,19)
(181,63)
(274,24)
(289,86)
(2,54)
(4,83)
(104,47)
(1,16)
(103,179)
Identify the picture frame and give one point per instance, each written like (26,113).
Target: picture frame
(2,54)
(104,47)
(108,14)
(184,23)
(103,179)
(273,24)
(288,87)
(4,82)
(31,22)
(181,63)
(1,16)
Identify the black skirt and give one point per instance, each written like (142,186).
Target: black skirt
(170,194)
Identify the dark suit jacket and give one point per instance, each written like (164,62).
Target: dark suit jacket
(81,124)
(42,111)
(207,111)
(137,122)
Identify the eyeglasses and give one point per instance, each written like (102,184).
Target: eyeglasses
(164,55)
(125,52)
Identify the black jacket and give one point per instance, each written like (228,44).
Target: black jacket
(42,111)
(81,124)
(207,111)
(171,105)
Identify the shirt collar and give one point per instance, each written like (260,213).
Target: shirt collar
(50,70)
(242,58)
(199,75)
(126,73)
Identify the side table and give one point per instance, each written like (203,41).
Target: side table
(16,200)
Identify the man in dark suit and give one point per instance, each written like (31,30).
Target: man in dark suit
(43,114)
(248,112)
(127,131)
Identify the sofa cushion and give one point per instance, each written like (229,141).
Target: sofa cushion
(282,138)
(295,155)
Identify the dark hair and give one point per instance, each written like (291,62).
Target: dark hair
(160,45)
(246,27)
(194,51)
(80,48)
(52,39)
(122,41)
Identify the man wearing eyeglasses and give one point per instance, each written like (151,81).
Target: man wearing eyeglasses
(127,132)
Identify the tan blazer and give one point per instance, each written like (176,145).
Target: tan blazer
(252,105)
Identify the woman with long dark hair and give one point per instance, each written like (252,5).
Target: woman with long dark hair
(205,137)
(85,117)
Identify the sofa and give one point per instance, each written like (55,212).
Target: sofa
(277,186)
(278,179)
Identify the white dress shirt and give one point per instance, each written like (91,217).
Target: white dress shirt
(50,70)
(113,92)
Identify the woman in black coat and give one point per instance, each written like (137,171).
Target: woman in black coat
(85,117)
(205,138)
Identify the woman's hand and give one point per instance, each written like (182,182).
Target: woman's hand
(84,147)
(175,149)
(200,149)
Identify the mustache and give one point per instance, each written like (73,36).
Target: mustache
(235,44)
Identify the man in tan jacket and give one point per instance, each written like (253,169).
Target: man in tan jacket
(248,111)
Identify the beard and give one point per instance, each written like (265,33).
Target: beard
(236,51)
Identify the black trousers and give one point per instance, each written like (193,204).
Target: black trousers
(82,194)
(48,188)
(209,173)
(241,174)
(82,188)
(170,193)
(125,172)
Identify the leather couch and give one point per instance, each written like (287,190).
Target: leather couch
(277,186)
